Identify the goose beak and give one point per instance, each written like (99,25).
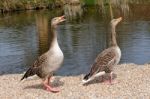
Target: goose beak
(119,19)
(62,18)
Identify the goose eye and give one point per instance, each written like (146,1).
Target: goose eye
(55,19)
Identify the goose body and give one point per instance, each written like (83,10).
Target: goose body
(50,61)
(107,59)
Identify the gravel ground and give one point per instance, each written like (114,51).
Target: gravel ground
(133,83)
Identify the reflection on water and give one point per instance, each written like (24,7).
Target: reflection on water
(42,29)
(24,36)
(73,11)
(122,5)
(18,39)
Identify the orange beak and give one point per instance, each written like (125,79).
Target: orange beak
(119,19)
(62,18)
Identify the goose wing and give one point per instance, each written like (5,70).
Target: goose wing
(35,69)
(40,61)
(104,61)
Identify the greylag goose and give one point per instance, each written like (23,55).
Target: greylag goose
(107,59)
(50,61)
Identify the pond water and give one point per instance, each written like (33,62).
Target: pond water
(26,35)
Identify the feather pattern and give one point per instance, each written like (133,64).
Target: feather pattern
(105,61)
(36,67)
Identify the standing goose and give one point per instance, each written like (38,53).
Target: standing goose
(106,59)
(50,61)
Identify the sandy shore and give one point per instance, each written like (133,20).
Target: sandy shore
(133,83)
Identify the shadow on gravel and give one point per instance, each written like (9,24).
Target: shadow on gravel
(55,83)
(100,79)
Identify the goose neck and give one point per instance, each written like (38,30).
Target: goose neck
(54,41)
(113,36)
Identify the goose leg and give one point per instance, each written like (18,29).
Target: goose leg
(49,79)
(103,79)
(111,81)
(48,87)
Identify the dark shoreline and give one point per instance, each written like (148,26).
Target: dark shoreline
(22,5)
(50,6)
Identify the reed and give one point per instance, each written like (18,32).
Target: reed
(13,5)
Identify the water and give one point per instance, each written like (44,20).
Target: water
(26,35)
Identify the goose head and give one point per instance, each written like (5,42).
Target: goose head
(55,21)
(114,22)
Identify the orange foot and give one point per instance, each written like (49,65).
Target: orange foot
(50,89)
(110,82)
(54,90)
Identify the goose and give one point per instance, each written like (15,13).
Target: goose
(107,59)
(50,61)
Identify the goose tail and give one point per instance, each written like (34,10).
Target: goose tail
(30,72)
(90,77)
(86,78)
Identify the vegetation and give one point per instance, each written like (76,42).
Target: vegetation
(13,5)
(124,5)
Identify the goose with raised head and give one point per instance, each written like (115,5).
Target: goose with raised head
(49,62)
(107,59)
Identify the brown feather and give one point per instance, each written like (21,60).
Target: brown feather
(35,69)
(40,61)
(104,62)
